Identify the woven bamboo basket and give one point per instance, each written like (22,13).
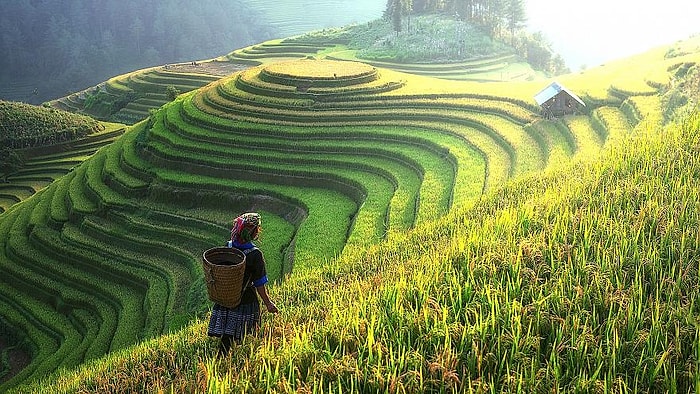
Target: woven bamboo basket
(223,273)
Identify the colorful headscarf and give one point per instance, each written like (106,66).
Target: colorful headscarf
(245,228)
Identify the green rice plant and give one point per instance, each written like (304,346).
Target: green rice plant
(66,291)
(172,224)
(40,213)
(326,73)
(135,107)
(59,208)
(335,219)
(121,181)
(613,121)
(19,310)
(241,141)
(35,182)
(559,142)
(117,85)
(79,203)
(169,298)
(649,109)
(513,111)
(270,50)
(16,193)
(529,154)
(588,141)
(151,281)
(496,153)
(165,78)
(277,116)
(369,164)
(95,189)
(315,144)
(249,81)
(61,295)
(129,160)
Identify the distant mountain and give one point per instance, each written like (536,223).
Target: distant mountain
(55,48)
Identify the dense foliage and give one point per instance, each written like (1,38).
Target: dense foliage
(479,26)
(430,38)
(24,125)
(684,95)
(494,17)
(439,38)
(68,45)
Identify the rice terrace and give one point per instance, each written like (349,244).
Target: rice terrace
(426,226)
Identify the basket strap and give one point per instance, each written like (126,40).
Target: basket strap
(246,280)
(246,251)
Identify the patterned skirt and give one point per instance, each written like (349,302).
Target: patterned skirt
(237,322)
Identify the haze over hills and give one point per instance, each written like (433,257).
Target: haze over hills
(46,54)
(50,49)
(72,56)
(589,33)
(301,16)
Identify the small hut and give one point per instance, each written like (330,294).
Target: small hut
(556,100)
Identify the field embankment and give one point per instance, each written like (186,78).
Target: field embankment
(580,279)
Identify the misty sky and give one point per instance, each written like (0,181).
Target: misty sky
(591,32)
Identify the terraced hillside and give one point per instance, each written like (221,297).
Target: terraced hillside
(493,67)
(43,165)
(128,98)
(337,155)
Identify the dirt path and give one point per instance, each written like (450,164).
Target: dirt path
(211,68)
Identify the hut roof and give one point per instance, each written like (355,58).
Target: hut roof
(552,90)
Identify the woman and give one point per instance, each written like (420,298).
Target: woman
(232,324)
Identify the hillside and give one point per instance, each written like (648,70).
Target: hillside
(54,48)
(580,279)
(39,145)
(393,167)
(25,126)
(425,50)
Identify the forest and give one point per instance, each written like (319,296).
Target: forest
(493,15)
(501,20)
(55,47)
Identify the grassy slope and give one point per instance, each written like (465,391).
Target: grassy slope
(584,278)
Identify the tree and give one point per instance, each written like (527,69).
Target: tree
(393,13)
(137,30)
(493,16)
(10,161)
(396,10)
(172,92)
(515,17)
(66,45)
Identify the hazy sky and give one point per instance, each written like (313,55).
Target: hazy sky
(591,32)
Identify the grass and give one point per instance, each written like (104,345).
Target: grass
(26,126)
(510,266)
(45,164)
(577,280)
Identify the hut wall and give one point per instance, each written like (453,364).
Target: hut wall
(562,104)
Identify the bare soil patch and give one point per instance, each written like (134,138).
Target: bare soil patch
(221,69)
